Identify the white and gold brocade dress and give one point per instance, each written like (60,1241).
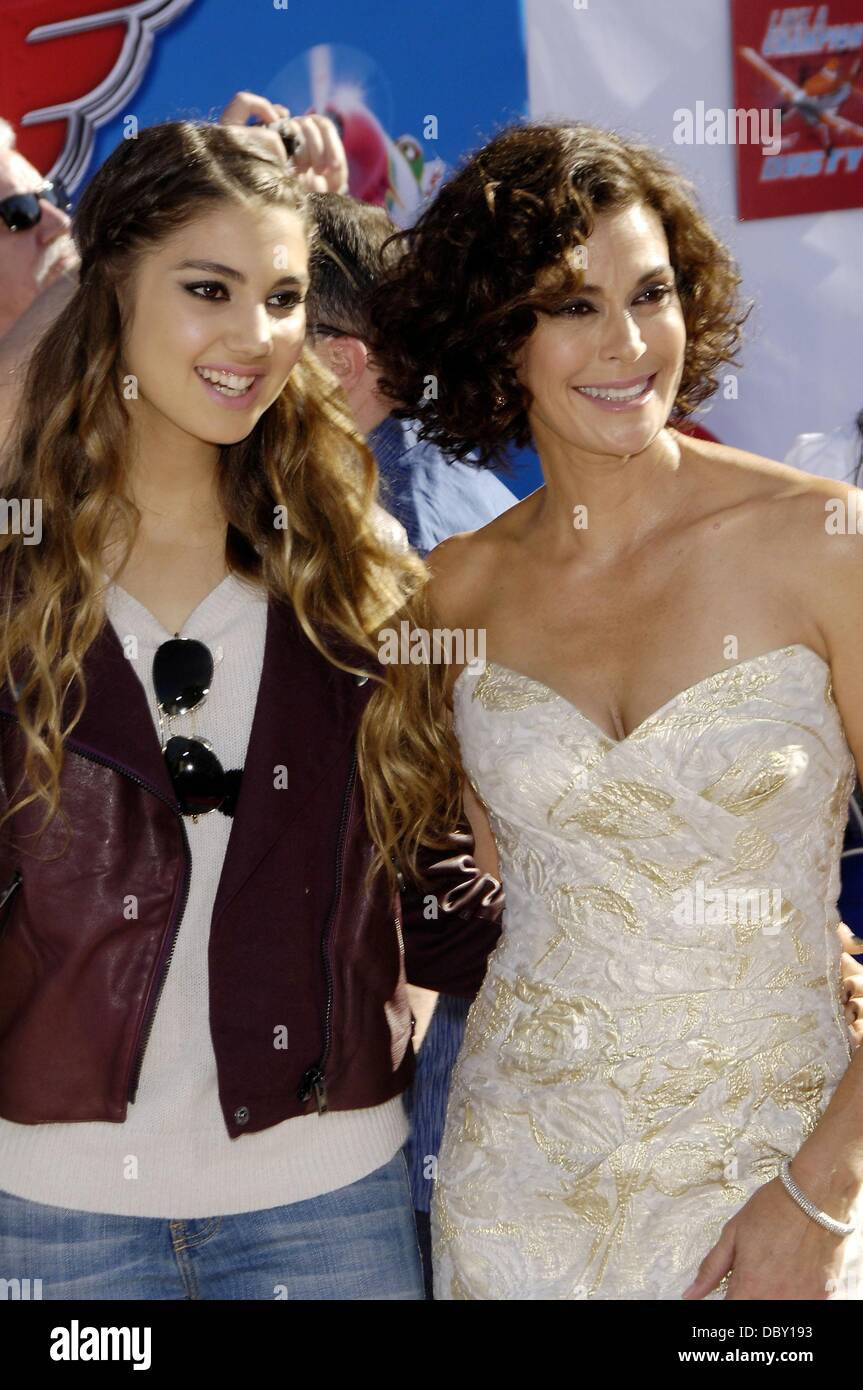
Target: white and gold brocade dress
(661,1021)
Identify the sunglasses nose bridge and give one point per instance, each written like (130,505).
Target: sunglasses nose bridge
(189,698)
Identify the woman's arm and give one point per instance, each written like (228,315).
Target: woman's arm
(774,1249)
(485,849)
(452,929)
(423,1001)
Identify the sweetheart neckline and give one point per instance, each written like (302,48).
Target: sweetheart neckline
(663,709)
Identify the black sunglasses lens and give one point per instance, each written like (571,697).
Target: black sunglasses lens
(197,775)
(21,211)
(182,672)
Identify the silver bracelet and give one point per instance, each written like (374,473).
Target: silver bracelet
(839,1228)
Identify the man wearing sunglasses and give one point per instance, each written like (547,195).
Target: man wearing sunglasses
(38,264)
(35,244)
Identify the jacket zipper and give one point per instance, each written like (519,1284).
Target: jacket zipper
(402,950)
(150,1013)
(14,882)
(313,1077)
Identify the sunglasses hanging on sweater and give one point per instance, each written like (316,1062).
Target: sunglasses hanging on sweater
(182,672)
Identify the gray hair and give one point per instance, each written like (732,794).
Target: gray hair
(7,135)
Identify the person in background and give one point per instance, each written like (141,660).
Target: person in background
(433,496)
(839,454)
(35,244)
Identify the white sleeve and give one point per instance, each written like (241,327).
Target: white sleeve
(390,531)
(796,456)
(832,455)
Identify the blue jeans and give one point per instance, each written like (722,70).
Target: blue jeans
(358,1242)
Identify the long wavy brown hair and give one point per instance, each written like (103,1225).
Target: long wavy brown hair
(69,448)
(462,298)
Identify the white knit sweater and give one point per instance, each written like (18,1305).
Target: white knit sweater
(173,1157)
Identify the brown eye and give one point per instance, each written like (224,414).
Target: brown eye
(576,310)
(291,298)
(205,285)
(655,294)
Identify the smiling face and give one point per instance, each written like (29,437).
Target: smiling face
(218,321)
(603,369)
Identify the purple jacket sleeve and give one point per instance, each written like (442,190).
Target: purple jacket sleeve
(450,927)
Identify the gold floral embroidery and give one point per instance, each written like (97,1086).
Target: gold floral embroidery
(625,810)
(630,1077)
(743,789)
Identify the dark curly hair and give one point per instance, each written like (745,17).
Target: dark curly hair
(462,297)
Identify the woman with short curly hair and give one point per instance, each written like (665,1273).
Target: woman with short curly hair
(662,740)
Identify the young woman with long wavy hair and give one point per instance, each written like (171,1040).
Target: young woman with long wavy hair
(204,1024)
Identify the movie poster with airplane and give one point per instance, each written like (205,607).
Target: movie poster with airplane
(798,84)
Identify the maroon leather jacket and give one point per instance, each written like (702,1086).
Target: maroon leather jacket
(294,939)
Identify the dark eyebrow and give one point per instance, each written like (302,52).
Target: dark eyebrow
(216,268)
(642,280)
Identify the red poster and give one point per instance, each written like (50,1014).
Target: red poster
(798,90)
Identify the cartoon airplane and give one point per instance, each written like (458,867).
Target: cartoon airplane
(394,174)
(819,97)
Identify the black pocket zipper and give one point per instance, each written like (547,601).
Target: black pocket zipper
(15,882)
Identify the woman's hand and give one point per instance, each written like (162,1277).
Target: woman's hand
(852,982)
(775,1251)
(422,1002)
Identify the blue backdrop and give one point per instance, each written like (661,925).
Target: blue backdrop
(416,86)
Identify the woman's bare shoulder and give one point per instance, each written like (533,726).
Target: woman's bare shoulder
(458,568)
(751,477)
(774,502)
(809,528)
(464,565)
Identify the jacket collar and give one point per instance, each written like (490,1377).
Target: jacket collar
(306,711)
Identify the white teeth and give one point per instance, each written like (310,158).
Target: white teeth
(227,382)
(624,394)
